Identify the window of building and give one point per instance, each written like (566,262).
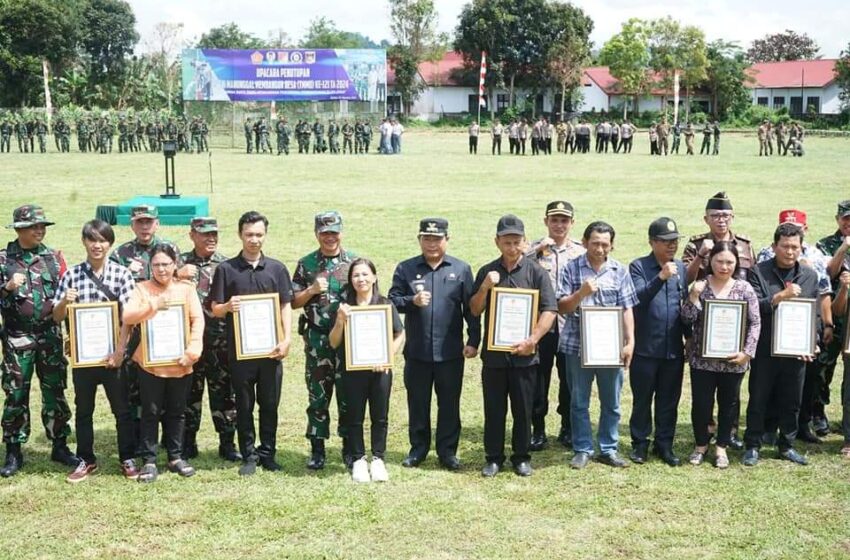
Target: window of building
(778,102)
(473,104)
(763,101)
(813,104)
(796,105)
(393,104)
(503,101)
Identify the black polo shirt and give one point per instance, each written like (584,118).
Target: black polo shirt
(236,277)
(527,275)
(435,332)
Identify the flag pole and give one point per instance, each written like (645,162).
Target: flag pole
(482,74)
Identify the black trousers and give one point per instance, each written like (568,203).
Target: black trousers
(163,397)
(446,380)
(548,352)
(257,381)
(776,385)
(811,391)
(85,392)
(362,388)
(704,386)
(658,380)
(627,145)
(522,145)
(497,145)
(499,384)
(473,144)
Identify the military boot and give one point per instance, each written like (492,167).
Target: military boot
(14,460)
(226,449)
(190,445)
(347,460)
(317,455)
(61,454)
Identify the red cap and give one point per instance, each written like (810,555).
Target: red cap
(797,217)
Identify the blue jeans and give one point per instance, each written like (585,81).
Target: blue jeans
(609,383)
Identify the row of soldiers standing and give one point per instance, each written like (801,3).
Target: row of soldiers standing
(787,138)
(356,138)
(660,133)
(26,132)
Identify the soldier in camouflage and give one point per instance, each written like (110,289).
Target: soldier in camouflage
(213,366)
(32,342)
(317,284)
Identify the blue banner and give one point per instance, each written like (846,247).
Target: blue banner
(285,75)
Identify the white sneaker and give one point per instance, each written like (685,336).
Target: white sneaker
(360,470)
(379,470)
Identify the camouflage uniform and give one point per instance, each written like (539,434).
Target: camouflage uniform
(213,365)
(323,366)
(31,340)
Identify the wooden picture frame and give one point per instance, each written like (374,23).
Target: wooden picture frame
(369,337)
(253,334)
(512,317)
(93,332)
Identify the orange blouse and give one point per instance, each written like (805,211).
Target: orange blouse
(141,308)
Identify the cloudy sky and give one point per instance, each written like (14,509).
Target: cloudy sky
(733,20)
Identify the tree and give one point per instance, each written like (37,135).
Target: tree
(727,78)
(163,47)
(323,34)
(406,68)
(788,45)
(414,27)
(676,52)
(842,71)
(229,36)
(279,39)
(628,59)
(567,60)
(108,36)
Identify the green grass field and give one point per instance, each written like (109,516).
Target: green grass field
(776,510)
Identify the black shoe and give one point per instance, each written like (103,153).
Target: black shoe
(523,469)
(490,470)
(449,462)
(667,455)
(565,437)
(190,445)
(227,450)
(269,464)
(807,436)
(248,468)
(751,457)
(580,460)
(612,460)
(791,454)
(736,443)
(61,454)
(317,455)
(538,442)
(821,426)
(14,460)
(638,454)
(412,461)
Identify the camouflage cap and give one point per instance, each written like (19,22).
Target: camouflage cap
(328,221)
(204,224)
(28,215)
(144,211)
(843,208)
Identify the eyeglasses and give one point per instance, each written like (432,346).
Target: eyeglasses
(721,217)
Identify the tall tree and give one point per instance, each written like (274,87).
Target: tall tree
(842,71)
(788,45)
(163,47)
(108,36)
(414,27)
(229,36)
(675,50)
(567,60)
(324,34)
(627,57)
(727,79)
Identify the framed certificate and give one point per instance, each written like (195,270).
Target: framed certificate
(601,337)
(165,335)
(93,329)
(513,316)
(369,337)
(847,332)
(723,328)
(794,328)
(257,327)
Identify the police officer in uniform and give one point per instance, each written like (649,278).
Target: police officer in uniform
(212,367)
(32,341)
(433,290)
(317,287)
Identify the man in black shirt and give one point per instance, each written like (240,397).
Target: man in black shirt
(511,373)
(433,291)
(258,379)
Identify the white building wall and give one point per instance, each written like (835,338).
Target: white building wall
(594,99)
(829,102)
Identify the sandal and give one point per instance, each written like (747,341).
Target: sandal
(696,458)
(721,461)
(148,473)
(845,451)
(181,467)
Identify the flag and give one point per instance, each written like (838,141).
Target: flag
(481,100)
(48,105)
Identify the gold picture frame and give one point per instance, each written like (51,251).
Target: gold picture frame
(175,320)
(810,307)
(376,350)
(512,314)
(733,313)
(100,317)
(255,312)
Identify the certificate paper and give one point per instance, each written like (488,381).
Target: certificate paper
(368,337)
(794,328)
(93,332)
(601,337)
(165,335)
(513,315)
(257,326)
(723,328)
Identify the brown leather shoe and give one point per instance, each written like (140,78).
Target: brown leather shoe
(82,472)
(129,469)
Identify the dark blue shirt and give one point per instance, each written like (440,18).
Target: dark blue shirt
(434,333)
(658,326)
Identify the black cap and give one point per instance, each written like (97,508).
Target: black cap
(719,202)
(844,208)
(664,229)
(510,225)
(434,226)
(559,208)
